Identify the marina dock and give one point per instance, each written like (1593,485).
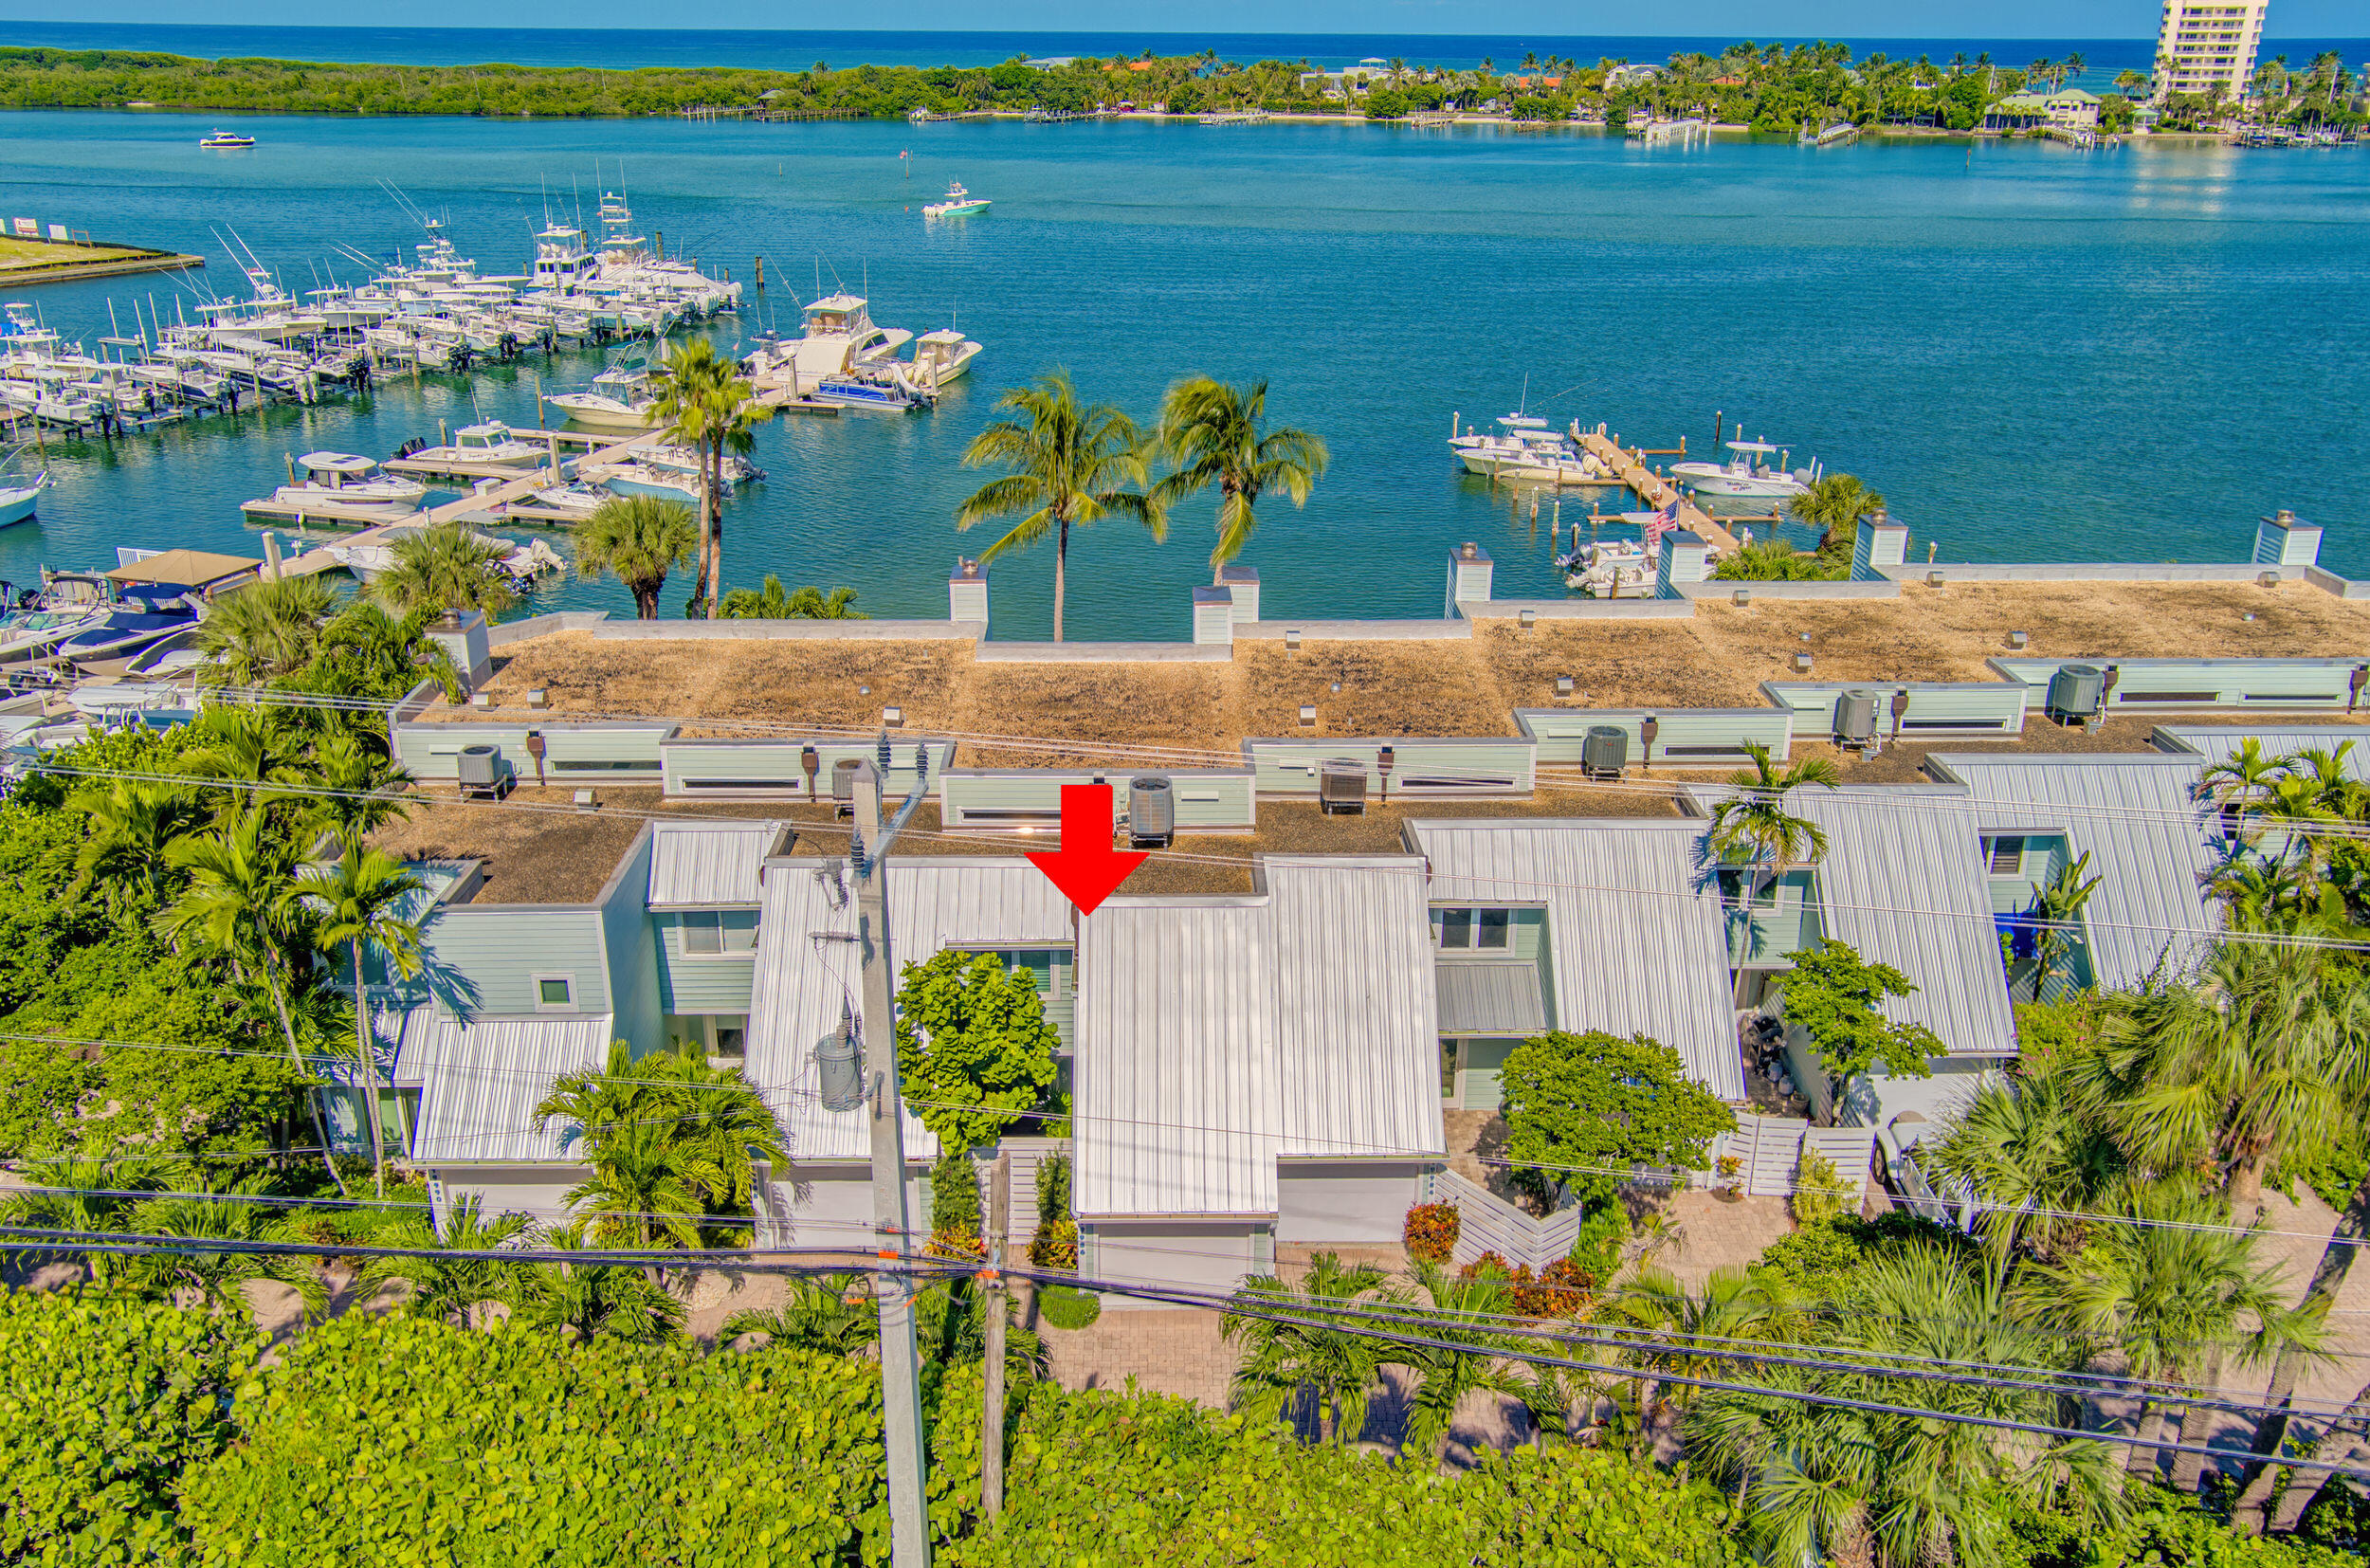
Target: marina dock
(1656,491)
(484,505)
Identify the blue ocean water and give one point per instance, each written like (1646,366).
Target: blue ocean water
(2032,351)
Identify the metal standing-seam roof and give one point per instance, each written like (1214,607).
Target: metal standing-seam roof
(1177,1086)
(809,974)
(1903,883)
(2215,744)
(1634,923)
(1491,998)
(2150,840)
(1216,1034)
(479,1083)
(708,864)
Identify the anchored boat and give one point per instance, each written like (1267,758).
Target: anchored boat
(959,202)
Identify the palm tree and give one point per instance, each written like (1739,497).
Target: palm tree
(1069,465)
(241,904)
(828,1314)
(2058,904)
(355,790)
(244,1215)
(246,746)
(2033,1155)
(2265,1051)
(449,1289)
(2241,782)
(707,404)
(1480,1298)
(2132,84)
(1683,1332)
(1212,433)
(267,630)
(445,566)
(1754,828)
(638,539)
(86,1195)
(1834,504)
(1818,1483)
(367,653)
(596,1301)
(1284,1362)
(774,602)
(2173,1286)
(132,825)
(361,896)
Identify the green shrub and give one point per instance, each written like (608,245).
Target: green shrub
(955,1208)
(1820,1194)
(1066,1307)
(102,1404)
(1431,1231)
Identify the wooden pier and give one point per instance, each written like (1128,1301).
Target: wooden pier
(1656,491)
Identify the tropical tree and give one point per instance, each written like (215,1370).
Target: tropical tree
(453,1288)
(1754,828)
(447,566)
(2058,904)
(598,1301)
(362,898)
(242,905)
(265,630)
(1671,1331)
(132,825)
(975,1052)
(1579,1107)
(774,602)
(212,1279)
(705,403)
(89,1197)
(2169,1284)
(2031,1151)
(2264,1049)
(1212,433)
(1834,503)
(1070,466)
(1476,1302)
(1308,1357)
(1826,1483)
(1838,999)
(350,789)
(828,1313)
(637,540)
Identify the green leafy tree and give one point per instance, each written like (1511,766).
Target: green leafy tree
(1070,465)
(1213,433)
(445,566)
(1579,1108)
(638,539)
(974,1051)
(1838,999)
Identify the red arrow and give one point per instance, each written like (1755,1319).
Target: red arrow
(1086,869)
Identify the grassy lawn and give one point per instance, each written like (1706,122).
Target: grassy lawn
(24,253)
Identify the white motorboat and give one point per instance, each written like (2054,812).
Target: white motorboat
(35,633)
(340,481)
(224,140)
(619,399)
(1748,473)
(578,500)
(644,479)
(523,562)
(941,356)
(690,460)
(19,497)
(959,202)
(839,337)
(492,442)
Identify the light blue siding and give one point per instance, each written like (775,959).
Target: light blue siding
(1936,707)
(2173,684)
(593,751)
(1478,1087)
(1681,736)
(775,769)
(482,958)
(1007,800)
(630,950)
(1420,766)
(703,982)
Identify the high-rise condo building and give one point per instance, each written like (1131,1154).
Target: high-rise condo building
(2205,42)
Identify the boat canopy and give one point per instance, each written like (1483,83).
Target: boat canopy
(1752,447)
(335,463)
(183,569)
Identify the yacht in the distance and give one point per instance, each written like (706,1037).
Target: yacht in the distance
(959,202)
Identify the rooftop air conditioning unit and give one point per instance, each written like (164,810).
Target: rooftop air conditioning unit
(1856,719)
(480,769)
(1151,812)
(2076,693)
(1342,785)
(843,784)
(1604,751)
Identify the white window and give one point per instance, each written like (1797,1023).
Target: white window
(719,932)
(1472,928)
(555,991)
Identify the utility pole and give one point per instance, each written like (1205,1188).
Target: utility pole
(892,1287)
(992,1433)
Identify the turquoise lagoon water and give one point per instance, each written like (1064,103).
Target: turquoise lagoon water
(2033,352)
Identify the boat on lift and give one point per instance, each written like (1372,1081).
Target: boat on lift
(959,202)
(886,395)
(341,482)
(940,357)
